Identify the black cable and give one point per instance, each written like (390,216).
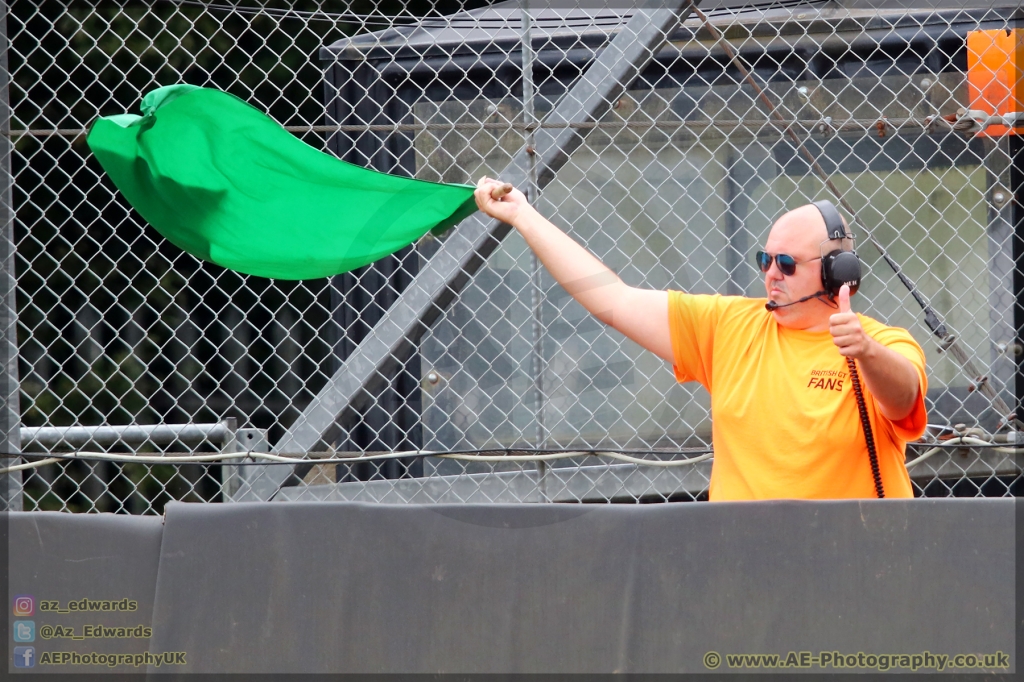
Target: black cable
(869,436)
(463,19)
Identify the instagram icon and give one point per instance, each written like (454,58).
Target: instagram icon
(24,605)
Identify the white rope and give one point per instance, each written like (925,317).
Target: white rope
(918,460)
(563,455)
(185,459)
(467,457)
(30,465)
(963,440)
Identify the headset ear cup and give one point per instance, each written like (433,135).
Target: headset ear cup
(839,268)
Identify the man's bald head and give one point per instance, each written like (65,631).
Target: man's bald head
(803,224)
(800,233)
(804,229)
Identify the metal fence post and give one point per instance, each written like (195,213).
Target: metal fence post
(1016,218)
(10,417)
(530,119)
(1003,337)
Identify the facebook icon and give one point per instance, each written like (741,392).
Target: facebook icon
(24,657)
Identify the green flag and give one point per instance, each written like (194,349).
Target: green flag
(226,183)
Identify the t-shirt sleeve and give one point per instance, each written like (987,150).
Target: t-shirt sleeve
(691,320)
(913,425)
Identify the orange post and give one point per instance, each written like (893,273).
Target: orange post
(995,75)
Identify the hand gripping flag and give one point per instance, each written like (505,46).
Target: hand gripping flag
(224,182)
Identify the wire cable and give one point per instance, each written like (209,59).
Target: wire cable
(458,20)
(264,458)
(865,421)
(959,443)
(463,19)
(30,465)
(611,455)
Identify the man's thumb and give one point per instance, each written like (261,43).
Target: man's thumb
(844,298)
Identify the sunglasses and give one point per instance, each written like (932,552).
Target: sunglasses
(787,264)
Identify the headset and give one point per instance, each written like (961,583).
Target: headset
(838,267)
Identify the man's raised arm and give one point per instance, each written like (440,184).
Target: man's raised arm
(639,314)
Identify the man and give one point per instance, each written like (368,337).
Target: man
(785,418)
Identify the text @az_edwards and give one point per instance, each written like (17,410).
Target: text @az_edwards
(836,660)
(95,632)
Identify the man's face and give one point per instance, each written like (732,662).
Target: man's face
(799,234)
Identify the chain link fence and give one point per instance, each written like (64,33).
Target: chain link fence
(666,166)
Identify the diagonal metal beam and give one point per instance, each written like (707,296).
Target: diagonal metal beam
(395,337)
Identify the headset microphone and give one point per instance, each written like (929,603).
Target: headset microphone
(772,305)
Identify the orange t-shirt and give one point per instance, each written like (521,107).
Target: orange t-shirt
(784,417)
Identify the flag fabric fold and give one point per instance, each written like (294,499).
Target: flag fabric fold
(226,183)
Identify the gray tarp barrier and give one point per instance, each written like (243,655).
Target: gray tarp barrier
(326,587)
(81,574)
